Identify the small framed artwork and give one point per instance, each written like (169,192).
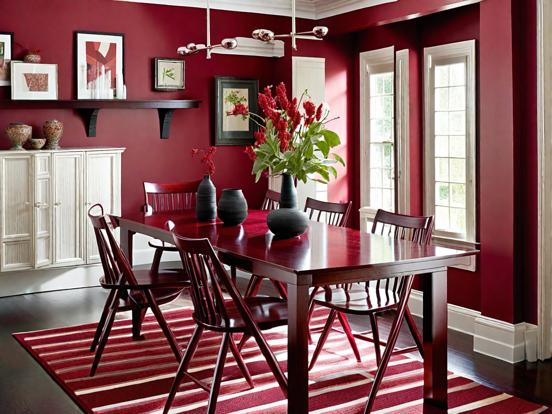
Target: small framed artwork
(99,61)
(169,74)
(6,47)
(34,81)
(230,129)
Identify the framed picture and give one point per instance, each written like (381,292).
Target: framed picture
(234,130)
(6,47)
(169,74)
(34,81)
(99,63)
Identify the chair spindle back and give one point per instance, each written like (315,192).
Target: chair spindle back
(160,197)
(271,200)
(335,214)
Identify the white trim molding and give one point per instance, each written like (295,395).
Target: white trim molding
(544,142)
(308,9)
(501,340)
(252,47)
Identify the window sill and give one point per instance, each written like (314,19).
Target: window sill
(471,261)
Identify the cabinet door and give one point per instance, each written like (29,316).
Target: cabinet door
(103,185)
(42,211)
(16,216)
(68,208)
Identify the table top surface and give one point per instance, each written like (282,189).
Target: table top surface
(322,247)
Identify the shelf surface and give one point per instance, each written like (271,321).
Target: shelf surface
(100,104)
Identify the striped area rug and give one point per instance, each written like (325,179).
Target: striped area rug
(135,376)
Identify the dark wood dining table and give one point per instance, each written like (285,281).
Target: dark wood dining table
(324,255)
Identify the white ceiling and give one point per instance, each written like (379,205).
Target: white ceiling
(310,9)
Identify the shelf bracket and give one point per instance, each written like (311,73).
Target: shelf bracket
(165,119)
(90,118)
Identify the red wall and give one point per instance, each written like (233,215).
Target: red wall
(150,31)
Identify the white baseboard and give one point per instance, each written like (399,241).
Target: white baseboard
(505,341)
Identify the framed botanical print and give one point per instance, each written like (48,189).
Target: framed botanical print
(168,74)
(234,130)
(6,46)
(99,61)
(34,81)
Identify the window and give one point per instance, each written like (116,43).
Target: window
(384,141)
(450,139)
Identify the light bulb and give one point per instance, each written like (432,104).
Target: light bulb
(229,43)
(320,31)
(263,35)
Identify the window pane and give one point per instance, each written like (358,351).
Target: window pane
(458,220)
(441,169)
(441,146)
(387,178)
(458,195)
(376,156)
(442,194)
(442,218)
(442,99)
(376,197)
(458,74)
(441,123)
(458,146)
(381,130)
(441,75)
(387,202)
(388,83)
(457,99)
(457,170)
(457,122)
(375,177)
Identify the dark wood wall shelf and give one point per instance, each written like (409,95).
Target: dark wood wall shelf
(90,109)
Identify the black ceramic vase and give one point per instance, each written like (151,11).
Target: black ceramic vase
(232,207)
(287,221)
(206,200)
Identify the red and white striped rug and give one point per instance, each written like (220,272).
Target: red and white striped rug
(135,376)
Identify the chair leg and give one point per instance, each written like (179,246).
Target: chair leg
(183,367)
(243,340)
(105,335)
(391,341)
(311,310)
(163,324)
(241,363)
(349,333)
(271,360)
(138,315)
(233,274)
(414,331)
(376,337)
(281,288)
(253,286)
(219,368)
(101,323)
(323,337)
(156,261)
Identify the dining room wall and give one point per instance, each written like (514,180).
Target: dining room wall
(150,31)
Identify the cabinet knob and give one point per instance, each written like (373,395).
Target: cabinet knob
(57,204)
(40,205)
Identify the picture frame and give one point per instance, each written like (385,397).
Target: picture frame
(99,64)
(169,74)
(229,129)
(34,81)
(6,56)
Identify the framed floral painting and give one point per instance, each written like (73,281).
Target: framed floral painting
(6,46)
(168,74)
(234,130)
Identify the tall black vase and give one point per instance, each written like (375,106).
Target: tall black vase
(206,200)
(287,221)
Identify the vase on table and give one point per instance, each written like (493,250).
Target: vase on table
(287,221)
(232,207)
(53,131)
(18,133)
(206,200)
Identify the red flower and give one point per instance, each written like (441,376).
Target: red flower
(310,108)
(319,112)
(284,137)
(239,109)
(250,153)
(281,125)
(206,158)
(281,96)
(260,137)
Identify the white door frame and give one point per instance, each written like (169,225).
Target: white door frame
(544,67)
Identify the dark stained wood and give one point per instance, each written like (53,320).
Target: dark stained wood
(90,109)
(336,214)
(324,255)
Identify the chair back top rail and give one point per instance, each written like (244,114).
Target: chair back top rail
(335,214)
(159,197)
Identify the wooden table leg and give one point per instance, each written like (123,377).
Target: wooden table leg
(298,353)
(126,242)
(435,340)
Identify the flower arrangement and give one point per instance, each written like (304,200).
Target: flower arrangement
(206,157)
(290,141)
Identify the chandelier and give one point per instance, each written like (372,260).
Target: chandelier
(192,48)
(266,35)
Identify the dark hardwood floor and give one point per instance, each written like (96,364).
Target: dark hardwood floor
(27,388)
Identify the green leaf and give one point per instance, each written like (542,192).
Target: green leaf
(331,138)
(324,147)
(339,159)
(333,171)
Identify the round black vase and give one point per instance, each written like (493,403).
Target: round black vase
(206,200)
(232,207)
(287,221)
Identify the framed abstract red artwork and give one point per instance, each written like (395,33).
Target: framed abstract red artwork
(100,60)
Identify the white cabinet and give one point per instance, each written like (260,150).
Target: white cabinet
(44,199)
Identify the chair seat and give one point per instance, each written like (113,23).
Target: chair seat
(358,299)
(267,313)
(145,279)
(158,244)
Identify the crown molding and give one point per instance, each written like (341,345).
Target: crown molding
(307,9)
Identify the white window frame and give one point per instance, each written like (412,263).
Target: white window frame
(376,59)
(451,52)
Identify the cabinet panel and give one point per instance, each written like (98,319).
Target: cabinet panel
(103,185)
(42,211)
(68,208)
(16,216)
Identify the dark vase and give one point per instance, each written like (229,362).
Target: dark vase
(206,200)
(232,207)
(287,221)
